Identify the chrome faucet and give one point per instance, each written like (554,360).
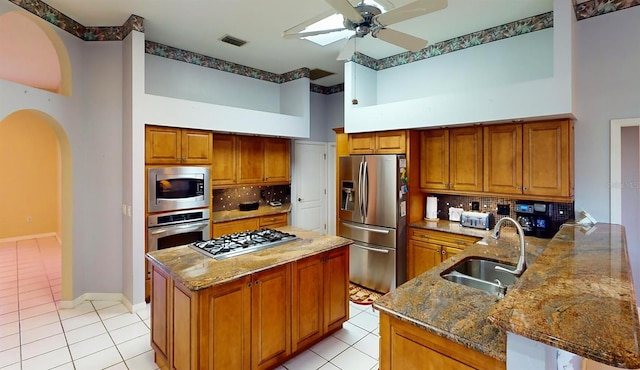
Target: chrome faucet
(522,263)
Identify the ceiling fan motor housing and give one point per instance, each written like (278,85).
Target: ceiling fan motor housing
(362,28)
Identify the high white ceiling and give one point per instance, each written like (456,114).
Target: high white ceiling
(197,25)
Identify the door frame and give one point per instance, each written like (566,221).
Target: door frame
(615,181)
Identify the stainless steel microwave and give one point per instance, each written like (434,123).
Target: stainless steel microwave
(177,188)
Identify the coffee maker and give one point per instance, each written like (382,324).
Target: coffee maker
(535,218)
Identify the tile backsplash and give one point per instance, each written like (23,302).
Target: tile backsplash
(229,199)
(561,212)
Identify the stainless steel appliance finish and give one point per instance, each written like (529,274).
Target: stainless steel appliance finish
(373,214)
(166,230)
(236,244)
(177,188)
(477,220)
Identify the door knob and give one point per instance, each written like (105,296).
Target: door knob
(299,199)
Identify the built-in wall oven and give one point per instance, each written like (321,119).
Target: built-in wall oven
(177,188)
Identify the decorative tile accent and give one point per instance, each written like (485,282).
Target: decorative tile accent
(517,28)
(592,8)
(327,90)
(229,199)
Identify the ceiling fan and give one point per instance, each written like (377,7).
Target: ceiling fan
(366,19)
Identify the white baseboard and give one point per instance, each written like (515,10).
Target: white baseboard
(27,237)
(103,297)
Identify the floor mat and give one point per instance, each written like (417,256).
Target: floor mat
(362,295)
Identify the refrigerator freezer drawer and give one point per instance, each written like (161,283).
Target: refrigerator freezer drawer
(368,234)
(373,267)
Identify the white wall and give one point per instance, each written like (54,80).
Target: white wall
(91,119)
(176,79)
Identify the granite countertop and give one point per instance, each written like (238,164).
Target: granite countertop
(454,311)
(197,271)
(576,295)
(222,216)
(452,227)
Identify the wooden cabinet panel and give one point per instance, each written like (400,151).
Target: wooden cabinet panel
(273,221)
(421,257)
(547,148)
(308,304)
(465,159)
(270,317)
(225,324)
(362,143)
(196,146)
(336,288)
(223,164)
(503,159)
(391,142)
(163,145)
(183,337)
(160,303)
(277,159)
(434,159)
(236,226)
(250,159)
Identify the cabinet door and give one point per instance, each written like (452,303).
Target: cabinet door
(465,159)
(223,163)
(277,160)
(546,159)
(336,288)
(362,143)
(185,330)
(196,146)
(421,257)
(391,142)
(273,221)
(225,326)
(270,317)
(163,145)
(250,160)
(308,304)
(503,159)
(434,159)
(236,226)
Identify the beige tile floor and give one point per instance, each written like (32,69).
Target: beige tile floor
(36,334)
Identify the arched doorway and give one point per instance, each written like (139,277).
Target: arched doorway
(18,127)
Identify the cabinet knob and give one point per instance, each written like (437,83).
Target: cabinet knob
(249,285)
(257,281)
(444,252)
(525,188)
(518,188)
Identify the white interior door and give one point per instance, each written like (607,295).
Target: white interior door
(310,197)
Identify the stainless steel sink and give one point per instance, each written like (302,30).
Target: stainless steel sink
(481,274)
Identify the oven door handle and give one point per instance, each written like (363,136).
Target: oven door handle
(182,228)
(385,251)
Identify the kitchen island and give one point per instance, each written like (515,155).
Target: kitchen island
(576,295)
(252,311)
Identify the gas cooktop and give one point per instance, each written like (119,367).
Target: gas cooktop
(235,244)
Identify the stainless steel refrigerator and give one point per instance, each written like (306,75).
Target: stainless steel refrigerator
(373,214)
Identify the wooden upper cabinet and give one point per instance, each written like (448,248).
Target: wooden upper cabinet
(434,159)
(250,159)
(277,159)
(451,159)
(171,145)
(384,142)
(503,159)
(223,166)
(547,159)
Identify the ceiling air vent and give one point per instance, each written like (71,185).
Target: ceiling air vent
(315,74)
(232,40)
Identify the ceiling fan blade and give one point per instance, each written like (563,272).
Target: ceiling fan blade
(411,10)
(297,28)
(310,33)
(400,39)
(345,8)
(348,49)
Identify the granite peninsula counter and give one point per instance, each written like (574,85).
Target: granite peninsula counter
(576,295)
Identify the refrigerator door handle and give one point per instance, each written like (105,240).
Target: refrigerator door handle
(385,251)
(361,189)
(366,189)
(379,231)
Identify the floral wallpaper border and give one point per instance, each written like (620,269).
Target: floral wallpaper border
(593,8)
(587,9)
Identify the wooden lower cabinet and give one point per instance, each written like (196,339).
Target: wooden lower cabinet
(252,323)
(429,248)
(404,346)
